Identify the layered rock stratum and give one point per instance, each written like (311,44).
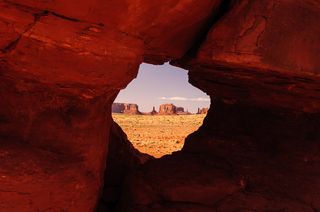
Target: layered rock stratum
(62,63)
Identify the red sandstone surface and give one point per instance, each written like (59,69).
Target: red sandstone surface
(62,63)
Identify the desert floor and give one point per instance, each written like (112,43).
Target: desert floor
(160,134)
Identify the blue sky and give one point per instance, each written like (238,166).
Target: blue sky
(159,84)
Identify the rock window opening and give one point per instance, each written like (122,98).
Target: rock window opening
(159,109)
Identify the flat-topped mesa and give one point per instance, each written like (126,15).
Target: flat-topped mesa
(167,109)
(171,109)
(131,109)
(126,108)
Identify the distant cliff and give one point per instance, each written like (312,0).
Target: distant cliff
(164,109)
(125,108)
(167,109)
(171,109)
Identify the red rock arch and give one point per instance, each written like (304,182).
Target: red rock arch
(63,63)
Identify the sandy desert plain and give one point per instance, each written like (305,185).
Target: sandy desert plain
(158,135)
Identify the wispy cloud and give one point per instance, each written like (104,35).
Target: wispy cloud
(180,98)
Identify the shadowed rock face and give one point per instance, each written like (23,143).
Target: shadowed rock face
(63,63)
(122,159)
(247,157)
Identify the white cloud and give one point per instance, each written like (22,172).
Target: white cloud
(179,98)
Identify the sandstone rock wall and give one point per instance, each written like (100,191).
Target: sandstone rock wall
(122,159)
(62,64)
(258,53)
(258,142)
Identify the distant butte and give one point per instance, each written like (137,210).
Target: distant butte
(126,108)
(164,109)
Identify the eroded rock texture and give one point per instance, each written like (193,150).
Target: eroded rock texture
(247,158)
(263,53)
(61,66)
(260,140)
(63,62)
